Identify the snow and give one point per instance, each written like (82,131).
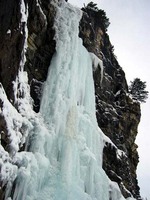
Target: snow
(118,93)
(20,86)
(23,10)
(17,120)
(8,170)
(13,122)
(64,145)
(8,31)
(97,62)
(41,11)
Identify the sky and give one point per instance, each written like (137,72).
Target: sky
(129,32)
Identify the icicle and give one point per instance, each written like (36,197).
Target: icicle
(97,63)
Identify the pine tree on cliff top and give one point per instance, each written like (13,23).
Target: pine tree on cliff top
(100,15)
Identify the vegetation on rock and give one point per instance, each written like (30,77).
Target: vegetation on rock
(100,14)
(137,90)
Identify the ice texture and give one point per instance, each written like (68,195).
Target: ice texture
(96,62)
(63,160)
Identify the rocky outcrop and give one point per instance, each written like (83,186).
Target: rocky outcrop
(41,47)
(117,114)
(11,44)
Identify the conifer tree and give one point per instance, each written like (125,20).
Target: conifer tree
(100,15)
(137,90)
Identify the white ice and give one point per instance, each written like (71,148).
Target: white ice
(96,62)
(65,143)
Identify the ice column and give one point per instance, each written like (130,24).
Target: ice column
(65,162)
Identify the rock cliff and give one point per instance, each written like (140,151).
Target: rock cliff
(117,114)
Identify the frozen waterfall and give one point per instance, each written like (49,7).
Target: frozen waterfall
(64,161)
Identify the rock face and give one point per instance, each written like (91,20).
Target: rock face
(11,43)
(117,114)
(41,47)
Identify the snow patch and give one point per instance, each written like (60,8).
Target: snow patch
(41,11)
(97,62)
(15,123)
(8,171)
(8,31)
(24,11)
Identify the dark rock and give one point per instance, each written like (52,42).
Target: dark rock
(11,43)
(36,92)
(41,45)
(117,114)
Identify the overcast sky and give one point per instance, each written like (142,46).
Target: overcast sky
(129,32)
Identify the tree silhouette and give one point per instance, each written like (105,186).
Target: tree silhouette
(92,5)
(100,15)
(137,90)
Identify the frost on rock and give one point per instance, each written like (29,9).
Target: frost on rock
(96,62)
(41,11)
(18,127)
(14,123)
(20,86)
(17,118)
(8,171)
(8,31)
(107,141)
(65,143)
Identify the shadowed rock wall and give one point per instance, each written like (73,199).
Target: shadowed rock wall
(117,115)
